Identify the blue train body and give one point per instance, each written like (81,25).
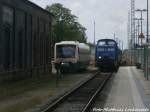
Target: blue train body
(107,55)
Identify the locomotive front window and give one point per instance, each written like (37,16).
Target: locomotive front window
(102,43)
(66,51)
(111,43)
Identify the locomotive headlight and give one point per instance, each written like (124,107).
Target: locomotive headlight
(100,57)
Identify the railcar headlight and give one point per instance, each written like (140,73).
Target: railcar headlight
(62,63)
(100,57)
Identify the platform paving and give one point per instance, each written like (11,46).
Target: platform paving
(129,90)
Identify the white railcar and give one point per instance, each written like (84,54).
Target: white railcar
(71,55)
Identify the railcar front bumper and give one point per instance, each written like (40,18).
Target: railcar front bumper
(67,66)
(62,65)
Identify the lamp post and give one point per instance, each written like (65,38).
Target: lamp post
(122,45)
(61,28)
(141,11)
(94,33)
(147,41)
(147,22)
(136,36)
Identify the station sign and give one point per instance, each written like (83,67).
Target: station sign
(141,35)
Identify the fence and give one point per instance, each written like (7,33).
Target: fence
(141,58)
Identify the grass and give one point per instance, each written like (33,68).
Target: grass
(21,106)
(16,88)
(32,92)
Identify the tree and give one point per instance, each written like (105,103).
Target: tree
(65,25)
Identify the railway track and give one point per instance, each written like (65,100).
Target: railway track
(80,99)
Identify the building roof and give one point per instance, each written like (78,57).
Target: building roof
(36,6)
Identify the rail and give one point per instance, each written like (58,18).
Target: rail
(93,84)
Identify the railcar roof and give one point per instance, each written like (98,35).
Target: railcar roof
(68,42)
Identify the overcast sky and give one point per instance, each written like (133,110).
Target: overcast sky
(110,15)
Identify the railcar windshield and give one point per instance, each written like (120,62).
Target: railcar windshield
(65,51)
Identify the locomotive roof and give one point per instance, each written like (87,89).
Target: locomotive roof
(107,40)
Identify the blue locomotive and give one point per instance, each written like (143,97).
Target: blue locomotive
(107,55)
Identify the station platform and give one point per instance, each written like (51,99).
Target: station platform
(128,90)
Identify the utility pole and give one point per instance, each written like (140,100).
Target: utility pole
(138,31)
(132,30)
(147,40)
(119,43)
(117,40)
(137,34)
(122,45)
(94,32)
(114,36)
(129,31)
(132,22)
